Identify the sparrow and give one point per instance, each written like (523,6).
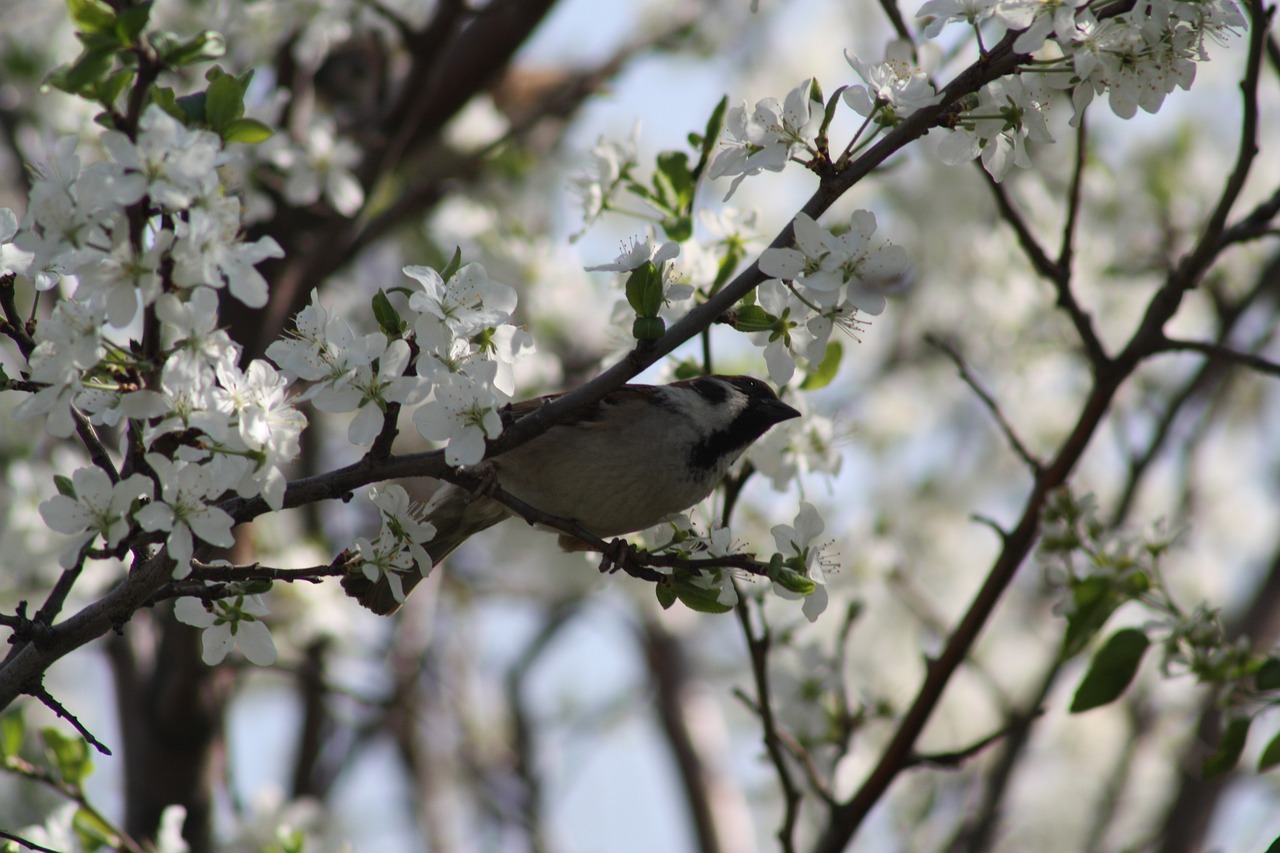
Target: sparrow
(641,453)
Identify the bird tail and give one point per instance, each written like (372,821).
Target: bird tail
(456,515)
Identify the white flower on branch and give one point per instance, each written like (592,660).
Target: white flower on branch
(767,137)
(184,511)
(97,508)
(229,623)
(893,89)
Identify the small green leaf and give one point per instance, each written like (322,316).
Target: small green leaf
(1270,755)
(673,166)
(387,316)
(455,264)
(131,21)
(192,108)
(648,328)
(110,89)
(69,755)
(1229,748)
(753,318)
(815,91)
(1093,600)
(830,111)
(224,101)
(92,832)
(248,130)
(82,76)
(91,16)
(696,597)
(822,375)
(1112,670)
(164,97)
(1268,675)
(666,595)
(710,137)
(644,290)
(12,730)
(678,228)
(202,47)
(64,486)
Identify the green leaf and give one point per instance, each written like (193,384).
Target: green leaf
(822,375)
(696,597)
(387,316)
(224,101)
(69,755)
(666,595)
(1275,846)
(64,486)
(248,130)
(1229,748)
(455,264)
(92,832)
(12,730)
(131,21)
(91,16)
(1270,755)
(734,252)
(82,76)
(678,228)
(192,108)
(164,97)
(1094,599)
(753,318)
(202,47)
(830,112)
(1268,675)
(110,90)
(710,137)
(644,290)
(648,328)
(673,167)
(1112,670)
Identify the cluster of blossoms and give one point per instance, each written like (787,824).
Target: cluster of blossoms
(1136,58)
(466,348)
(824,283)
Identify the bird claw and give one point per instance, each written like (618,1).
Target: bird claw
(620,554)
(484,479)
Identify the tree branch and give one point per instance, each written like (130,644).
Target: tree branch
(990,403)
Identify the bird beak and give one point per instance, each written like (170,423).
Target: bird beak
(779,411)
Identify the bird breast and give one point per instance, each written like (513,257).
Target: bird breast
(610,480)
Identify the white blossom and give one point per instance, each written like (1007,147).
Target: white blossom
(97,508)
(766,138)
(229,623)
(463,411)
(893,89)
(184,510)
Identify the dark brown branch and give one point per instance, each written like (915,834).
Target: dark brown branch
(27,843)
(758,646)
(1058,272)
(46,699)
(813,775)
(958,757)
(1221,352)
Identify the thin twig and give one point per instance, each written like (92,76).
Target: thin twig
(989,401)
(54,705)
(27,843)
(758,646)
(1221,352)
(958,757)
(798,751)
